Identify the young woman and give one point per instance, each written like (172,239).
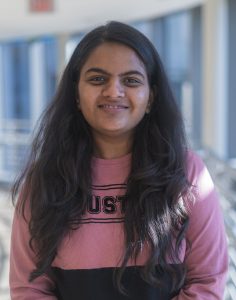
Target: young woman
(112,203)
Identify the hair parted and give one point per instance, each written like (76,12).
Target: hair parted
(56,182)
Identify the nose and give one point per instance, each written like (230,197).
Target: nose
(113,89)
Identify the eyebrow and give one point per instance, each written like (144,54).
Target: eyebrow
(101,71)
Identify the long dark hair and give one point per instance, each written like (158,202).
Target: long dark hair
(56,182)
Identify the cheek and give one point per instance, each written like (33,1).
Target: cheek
(86,108)
(142,98)
(85,99)
(84,105)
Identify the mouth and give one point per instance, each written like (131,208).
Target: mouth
(113,106)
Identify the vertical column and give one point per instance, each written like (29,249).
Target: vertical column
(231,83)
(37,83)
(50,56)
(176,58)
(9,81)
(215,77)
(1,87)
(21,95)
(62,55)
(196,71)
(159,37)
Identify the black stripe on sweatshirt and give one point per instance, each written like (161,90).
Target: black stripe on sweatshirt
(97,284)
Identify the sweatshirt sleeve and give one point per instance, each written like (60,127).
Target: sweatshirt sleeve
(207,258)
(22,262)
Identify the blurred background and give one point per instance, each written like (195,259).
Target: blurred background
(196,40)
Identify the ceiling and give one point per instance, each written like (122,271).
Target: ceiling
(70,16)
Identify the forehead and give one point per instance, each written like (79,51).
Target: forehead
(115,58)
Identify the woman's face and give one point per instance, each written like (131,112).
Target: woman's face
(113,90)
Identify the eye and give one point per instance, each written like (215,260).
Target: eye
(97,80)
(132,81)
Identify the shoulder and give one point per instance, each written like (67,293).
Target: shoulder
(197,172)
(195,163)
(203,196)
(203,202)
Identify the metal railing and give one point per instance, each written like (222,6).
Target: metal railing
(15,137)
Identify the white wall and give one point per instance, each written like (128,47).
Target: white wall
(75,15)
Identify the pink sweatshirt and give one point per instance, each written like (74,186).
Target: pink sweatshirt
(84,265)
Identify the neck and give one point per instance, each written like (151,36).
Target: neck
(110,147)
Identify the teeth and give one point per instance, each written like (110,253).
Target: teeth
(112,106)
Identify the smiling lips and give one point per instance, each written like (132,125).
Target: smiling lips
(112,106)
